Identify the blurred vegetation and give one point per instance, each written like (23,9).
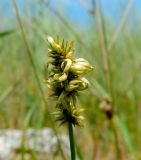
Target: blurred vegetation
(114,50)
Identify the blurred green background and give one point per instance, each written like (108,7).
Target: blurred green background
(108,34)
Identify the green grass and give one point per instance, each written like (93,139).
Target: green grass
(21,90)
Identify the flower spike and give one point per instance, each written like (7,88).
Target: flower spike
(65,80)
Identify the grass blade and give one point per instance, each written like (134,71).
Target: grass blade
(6,33)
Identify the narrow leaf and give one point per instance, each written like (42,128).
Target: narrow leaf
(6,33)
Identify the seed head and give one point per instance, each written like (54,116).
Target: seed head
(65,80)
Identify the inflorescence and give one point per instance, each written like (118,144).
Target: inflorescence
(65,80)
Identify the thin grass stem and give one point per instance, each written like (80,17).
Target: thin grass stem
(71,139)
(118,153)
(121,25)
(29,52)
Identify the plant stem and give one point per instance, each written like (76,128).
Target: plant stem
(71,139)
(118,153)
(29,52)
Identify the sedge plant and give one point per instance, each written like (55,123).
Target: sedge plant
(65,81)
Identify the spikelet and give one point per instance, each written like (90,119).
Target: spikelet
(65,80)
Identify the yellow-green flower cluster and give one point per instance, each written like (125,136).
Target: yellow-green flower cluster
(66,79)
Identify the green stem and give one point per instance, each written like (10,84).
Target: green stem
(29,52)
(118,153)
(72,143)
